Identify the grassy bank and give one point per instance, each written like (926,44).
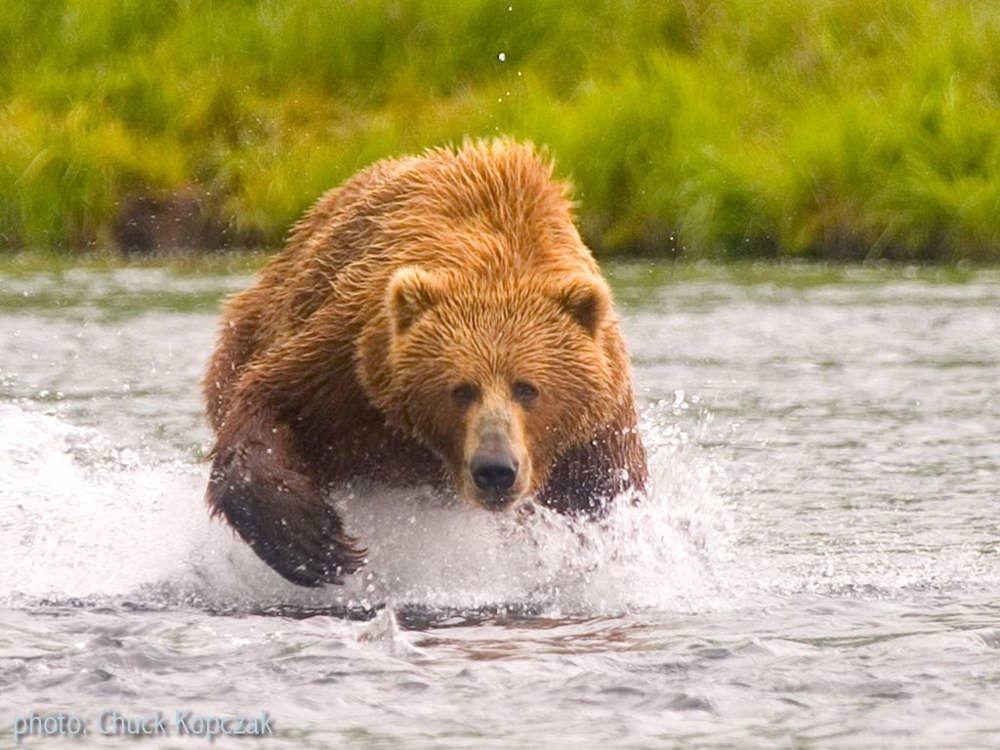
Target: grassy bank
(833,129)
(632,278)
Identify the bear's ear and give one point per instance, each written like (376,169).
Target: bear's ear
(586,301)
(412,292)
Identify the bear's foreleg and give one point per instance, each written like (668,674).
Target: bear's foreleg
(587,477)
(258,485)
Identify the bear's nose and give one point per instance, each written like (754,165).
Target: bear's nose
(493,473)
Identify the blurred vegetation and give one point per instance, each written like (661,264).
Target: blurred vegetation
(831,129)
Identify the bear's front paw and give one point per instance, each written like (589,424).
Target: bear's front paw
(284,518)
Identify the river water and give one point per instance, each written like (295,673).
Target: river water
(818,564)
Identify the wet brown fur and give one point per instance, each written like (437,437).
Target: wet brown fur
(462,265)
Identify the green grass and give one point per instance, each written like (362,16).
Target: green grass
(736,129)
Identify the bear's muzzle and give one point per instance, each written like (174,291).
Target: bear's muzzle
(495,470)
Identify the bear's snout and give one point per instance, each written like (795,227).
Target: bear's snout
(494,470)
(494,473)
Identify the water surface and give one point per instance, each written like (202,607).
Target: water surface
(817,565)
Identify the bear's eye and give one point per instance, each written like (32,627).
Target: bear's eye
(464,394)
(525,392)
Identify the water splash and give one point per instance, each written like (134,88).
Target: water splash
(83,517)
(86,519)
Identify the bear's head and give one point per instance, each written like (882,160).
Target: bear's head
(499,377)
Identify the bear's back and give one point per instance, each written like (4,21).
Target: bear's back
(484,207)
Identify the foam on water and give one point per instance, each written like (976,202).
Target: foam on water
(98,521)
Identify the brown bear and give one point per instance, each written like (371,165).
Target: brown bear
(434,320)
